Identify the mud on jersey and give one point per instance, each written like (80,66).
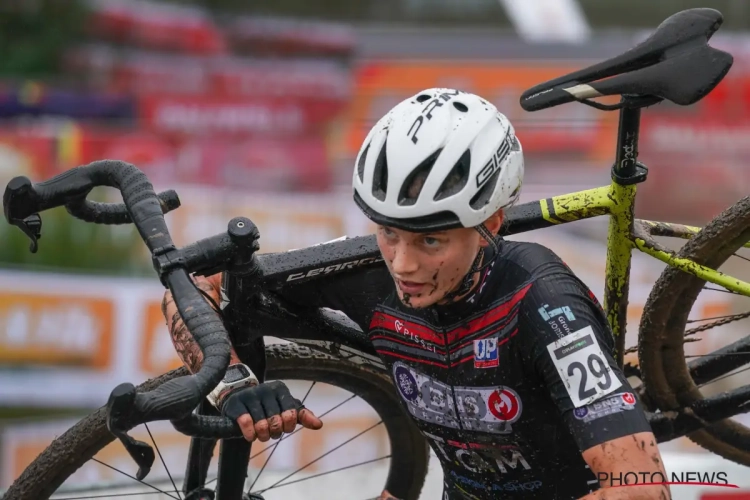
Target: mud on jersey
(511,384)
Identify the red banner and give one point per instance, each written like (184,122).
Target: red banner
(157,26)
(184,115)
(260,163)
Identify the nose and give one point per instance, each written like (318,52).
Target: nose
(405,260)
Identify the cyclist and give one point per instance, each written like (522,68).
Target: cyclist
(502,356)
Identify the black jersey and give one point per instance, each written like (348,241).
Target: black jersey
(511,383)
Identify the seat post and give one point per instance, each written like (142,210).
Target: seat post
(626,170)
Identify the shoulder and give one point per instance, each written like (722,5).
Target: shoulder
(520,264)
(532,258)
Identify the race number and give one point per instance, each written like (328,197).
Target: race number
(582,367)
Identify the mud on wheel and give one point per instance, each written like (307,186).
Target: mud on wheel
(409,451)
(664,368)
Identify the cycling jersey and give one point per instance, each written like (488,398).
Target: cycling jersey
(511,383)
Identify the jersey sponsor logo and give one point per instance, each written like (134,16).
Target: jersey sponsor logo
(557,319)
(548,315)
(407,384)
(583,367)
(480,458)
(509,486)
(615,404)
(505,404)
(406,332)
(487,409)
(334,268)
(486,353)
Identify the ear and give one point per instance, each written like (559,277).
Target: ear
(493,225)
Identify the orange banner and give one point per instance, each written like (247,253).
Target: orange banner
(56,330)
(157,353)
(574,127)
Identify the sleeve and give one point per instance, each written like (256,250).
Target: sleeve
(356,293)
(569,345)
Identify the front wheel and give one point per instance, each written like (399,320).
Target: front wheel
(409,453)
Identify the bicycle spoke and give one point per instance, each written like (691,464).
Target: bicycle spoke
(718,354)
(296,430)
(326,473)
(731,374)
(733,316)
(286,436)
(179,497)
(741,256)
(279,441)
(135,479)
(323,455)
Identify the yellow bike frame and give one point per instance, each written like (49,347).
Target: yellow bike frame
(625,233)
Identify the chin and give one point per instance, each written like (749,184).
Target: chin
(415,302)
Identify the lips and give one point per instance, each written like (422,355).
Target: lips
(410,286)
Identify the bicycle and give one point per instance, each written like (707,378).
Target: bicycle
(675,64)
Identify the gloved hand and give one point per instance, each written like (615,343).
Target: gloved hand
(267,411)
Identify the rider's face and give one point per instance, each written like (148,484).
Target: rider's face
(427,266)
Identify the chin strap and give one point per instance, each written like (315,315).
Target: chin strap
(468,281)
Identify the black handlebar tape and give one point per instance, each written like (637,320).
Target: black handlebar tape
(180,396)
(137,193)
(115,213)
(207,427)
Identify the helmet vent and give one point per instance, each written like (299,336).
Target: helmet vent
(461,107)
(414,183)
(423,97)
(456,180)
(361,164)
(483,196)
(380,175)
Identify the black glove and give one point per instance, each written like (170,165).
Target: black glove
(264,403)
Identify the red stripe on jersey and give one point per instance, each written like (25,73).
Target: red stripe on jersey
(491,316)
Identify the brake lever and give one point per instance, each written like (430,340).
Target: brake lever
(119,409)
(31,227)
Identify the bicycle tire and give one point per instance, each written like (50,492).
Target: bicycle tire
(409,450)
(661,355)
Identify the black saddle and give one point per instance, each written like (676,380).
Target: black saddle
(675,63)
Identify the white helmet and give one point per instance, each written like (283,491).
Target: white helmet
(439,160)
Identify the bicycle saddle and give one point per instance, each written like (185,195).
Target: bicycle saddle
(674,63)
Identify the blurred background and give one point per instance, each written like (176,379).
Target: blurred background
(258,109)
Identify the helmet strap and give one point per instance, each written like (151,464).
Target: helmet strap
(468,280)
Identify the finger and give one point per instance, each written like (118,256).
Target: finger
(273,411)
(275,426)
(255,408)
(246,426)
(262,430)
(286,400)
(309,420)
(289,419)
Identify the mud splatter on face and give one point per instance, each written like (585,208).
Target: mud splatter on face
(407,299)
